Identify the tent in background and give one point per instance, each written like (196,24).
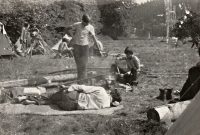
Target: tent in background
(5,47)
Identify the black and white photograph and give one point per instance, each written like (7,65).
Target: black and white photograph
(99,67)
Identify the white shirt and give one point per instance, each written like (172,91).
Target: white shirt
(24,34)
(134,62)
(82,33)
(91,97)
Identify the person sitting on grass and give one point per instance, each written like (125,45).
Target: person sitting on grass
(18,51)
(64,49)
(133,68)
(80,97)
(191,86)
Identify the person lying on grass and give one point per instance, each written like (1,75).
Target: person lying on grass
(79,97)
(133,68)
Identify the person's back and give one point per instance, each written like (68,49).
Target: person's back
(192,84)
(91,97)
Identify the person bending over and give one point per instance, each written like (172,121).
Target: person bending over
(64,49)
(133,68)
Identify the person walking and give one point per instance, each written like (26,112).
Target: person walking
(82,31)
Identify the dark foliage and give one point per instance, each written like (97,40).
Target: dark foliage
(114,19)
(188,26)
(50,20)
(117,18)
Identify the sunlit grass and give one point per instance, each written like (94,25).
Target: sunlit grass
(157,57)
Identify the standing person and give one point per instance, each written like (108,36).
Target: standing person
(81,44)
(25,35)
(133,68)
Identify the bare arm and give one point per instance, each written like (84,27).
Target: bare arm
(118,59)
(137,63)
(95,41)
(84,88)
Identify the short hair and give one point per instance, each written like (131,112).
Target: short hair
(86,18)
(128,51)
(115,95)
(26,24)
(65,40)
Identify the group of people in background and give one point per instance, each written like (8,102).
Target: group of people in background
(30,41)
(77,47)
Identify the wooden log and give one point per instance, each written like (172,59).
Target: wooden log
(91,82)
(167,112)
(54,84)
(188,122)
(156,76)
(37,80)
(73,69)
(63,77)
(14,83)
(168,73)
(48,85)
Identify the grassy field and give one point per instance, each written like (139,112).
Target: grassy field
(157,57)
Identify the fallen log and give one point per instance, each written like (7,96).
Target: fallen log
(188,122)
(33,81)
(156,76)
(14,83)
(48,85)
(64,77)
(167,112)
(168,73)
(71,69)
(91,82)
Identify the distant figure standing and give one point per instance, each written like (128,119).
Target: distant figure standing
(81,44)
(25,35)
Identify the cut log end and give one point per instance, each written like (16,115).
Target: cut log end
(152,114)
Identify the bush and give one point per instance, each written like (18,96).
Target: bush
(50,19)
(117,19)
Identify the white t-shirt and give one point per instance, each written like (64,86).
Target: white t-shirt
(133,62)
(82,33)
(91,97)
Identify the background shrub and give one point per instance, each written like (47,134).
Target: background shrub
(50,19)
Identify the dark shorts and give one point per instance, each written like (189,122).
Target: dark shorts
(65,100)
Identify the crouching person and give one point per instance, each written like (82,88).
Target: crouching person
(81,97)
(64,49)
(133,68)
